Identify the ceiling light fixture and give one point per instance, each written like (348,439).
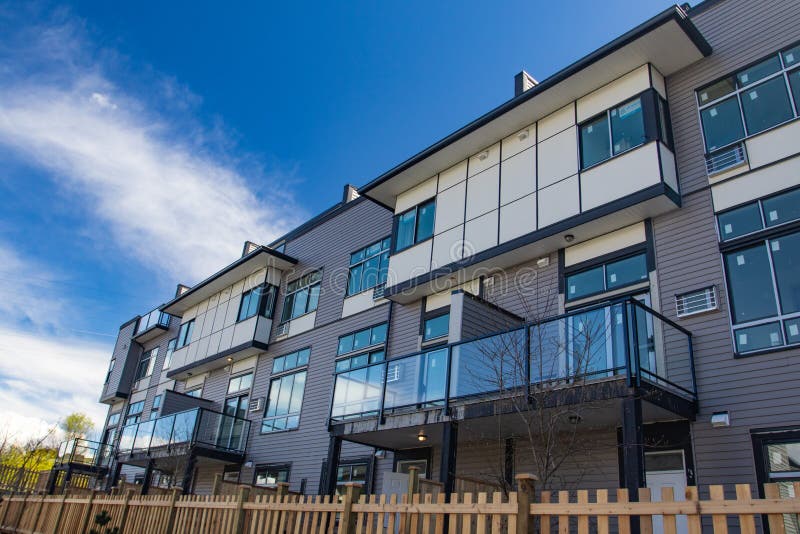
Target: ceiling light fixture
(569,238)
(421,436)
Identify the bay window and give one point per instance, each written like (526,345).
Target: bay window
(302,296)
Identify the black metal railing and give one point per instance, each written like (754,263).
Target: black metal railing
(84,452)
(151,320)
(622,338)
(197,426)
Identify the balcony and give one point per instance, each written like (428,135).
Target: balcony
(606,349)
(151,325)
(206,432)
(84,454)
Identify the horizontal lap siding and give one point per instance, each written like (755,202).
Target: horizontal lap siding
(527,290)
(480,319)
(759,391)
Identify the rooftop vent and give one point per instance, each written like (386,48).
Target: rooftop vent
(181,289)
(350,193)
(522,82)
(249,247)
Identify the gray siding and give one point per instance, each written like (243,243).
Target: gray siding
(175,402)
(480,318)
(126,356)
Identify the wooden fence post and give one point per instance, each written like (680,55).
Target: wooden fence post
(172,512)
(244,495)
(776,526)
(20,512)
(283,488)
(525,496)
(351,495)
(413,481)
(38,514)
(88,512)
(59,514)
(126,501)
(7,501)
(217,488)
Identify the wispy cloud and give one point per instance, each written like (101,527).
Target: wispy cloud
(174,198)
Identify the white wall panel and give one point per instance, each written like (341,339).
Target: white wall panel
(455,174)
(244,365)
(481,233)
(620,176)
(518,218)
(447,247)
(213,344)
(360,302)
(484,159)
(518,176)
(613,93)
(658,82)
(668,169)
(558,201)
(556,122)
(410,262)
(304,323)
(756,184)
(243,331)
(774,145)
(232,313)
(604,244)
(450,207)
(226,337)
(483,192)
(519,141)
(415,195)
(558,158)
(219,318)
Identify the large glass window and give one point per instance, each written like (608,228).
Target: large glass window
(134,412)
(271,475)
(368,267)
(259,300)
(607,277)
(750,101)
(240,383)
(768,212)
(436,327)
(627,126)
(290,361)
(185,334)
(350,473)
(146,364)
(361,339)
(416,224)
(595,141)
(284,403)
(740,221)
(765,293)
(302,296)
(619,129)
(170,349)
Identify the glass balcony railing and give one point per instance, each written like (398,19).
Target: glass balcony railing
(84,452)
(152,319)
(615,339)
(197,426)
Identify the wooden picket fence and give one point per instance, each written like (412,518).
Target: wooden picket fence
(16,479)
(518,512)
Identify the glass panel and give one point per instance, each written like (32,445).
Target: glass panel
(378,334)
(342,365)
(277,365)
(759,71)
(437,327)
(184,427)
(548,354)
(361,339)
(354,281)
(425,216)
(384,268)
(782,208)
(586,283)
(786,260)
(590,343)
(750,281)
(627,126)
(791,56)
(794,83)
(345,344)
(299,387)
(625,272)
(792,330)
(313,298)
(783,457)
(358,392)
(405,229)
(378,356)
(162,431)
(356,256)
(667,461)
(373,249)
(421,380)
(758,337)
(717,90)
(143,435)
(722,124)
(595,142)
(302,357)
(739,221)
(488,365)
(127,437)
(372,269)
(290,361)
(300,302)
(358,361)
(766,105)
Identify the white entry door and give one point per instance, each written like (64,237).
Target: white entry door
(656,481)
(395,484)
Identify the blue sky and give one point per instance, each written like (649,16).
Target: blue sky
(142,142)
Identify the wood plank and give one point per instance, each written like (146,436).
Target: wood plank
(645,520)
(563,520)
(718,521)
(602,520)
(497,519)
(776,525)
(693,521)
(747,523)
(623,521)
(669,520)
(583,520)
(480,527)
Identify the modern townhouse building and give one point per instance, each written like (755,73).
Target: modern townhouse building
(595,282)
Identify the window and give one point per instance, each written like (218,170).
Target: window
(352,472)
(284,403)
(196,392)
(110,369)
(765,213)
(240,383)
(157,402)
(185,334)
(607,277)
(113,419)
(368,267)
(622,128)
(259,300)
(146,364)
(765,293)
(134,412)
(750,101)
(271,475)
(360,360)
(415,225)
(302,296)
(436,327)
(374,335)
(290,361)
(170,350)
(778,461)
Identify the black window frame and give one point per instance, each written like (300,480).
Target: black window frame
(196,392)
(171,345)
(113,419)
(784,71)
(111,366)
(185,334)
(370,345)
(290,295)
(147,358)
(602,262)
(417,240)
(285,466)
(137,415)
(297,369)
(382,270)
(759,203)
(239,377)
(265,306)
(761,439)
(371,350)
(429,315)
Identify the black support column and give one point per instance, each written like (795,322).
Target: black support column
(148,477)
(447,463)
(332,465)
(188,473)
(632,450)
(113,476)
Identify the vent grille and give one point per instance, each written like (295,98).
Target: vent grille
(393,373)
(726,159)
(255,404)
(377,293)
(283,329)
(694,302)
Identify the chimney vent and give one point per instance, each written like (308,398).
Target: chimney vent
(350,193)
(522,82)
(181,289)
(249,247)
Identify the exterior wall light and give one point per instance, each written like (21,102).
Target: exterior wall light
(720,419)
(483,155)
(421,436)
(543,262)
(569,238)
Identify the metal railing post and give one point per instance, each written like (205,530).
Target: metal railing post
(447,379)
(691,365)
(636,356)
(629,338)
(383,392)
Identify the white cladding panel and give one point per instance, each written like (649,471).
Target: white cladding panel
(481,233)
(668,169)
(658,82)
(519,141)
(410,262)
(755,184)
(518,218)
(450,207)
(301,324)
(558,157)
(447,247)
(556,122)
(244,365)
(604,244)
(614,93)
(484,159)
(483,192)
(416,195)
(360,302)
(518,176)
(558,201)
(774,145)
(455,174)
(620,176)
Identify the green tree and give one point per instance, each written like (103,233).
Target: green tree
(76,425)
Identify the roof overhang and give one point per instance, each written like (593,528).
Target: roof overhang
(242,268)
(669,41)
